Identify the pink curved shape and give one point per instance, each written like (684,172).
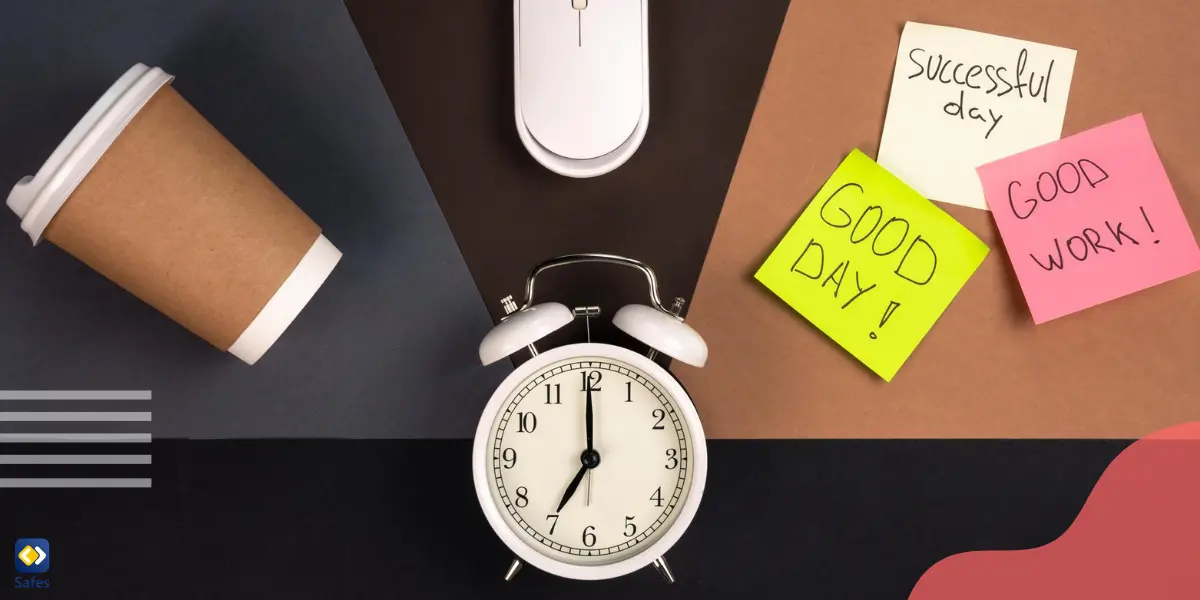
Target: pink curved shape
(1136,538)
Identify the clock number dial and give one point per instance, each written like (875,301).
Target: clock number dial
(591,380)
(617,517)
(660,414)
(526,422)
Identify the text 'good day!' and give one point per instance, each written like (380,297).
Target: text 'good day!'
(872,264)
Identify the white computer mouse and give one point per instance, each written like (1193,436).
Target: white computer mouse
(581,82)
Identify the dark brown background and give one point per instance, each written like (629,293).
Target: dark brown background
(449,74)
(1123,369)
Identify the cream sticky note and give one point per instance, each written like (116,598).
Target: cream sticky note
(872,264)
(1089,218)
(961,99)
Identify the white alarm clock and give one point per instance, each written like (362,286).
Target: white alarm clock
(589,459)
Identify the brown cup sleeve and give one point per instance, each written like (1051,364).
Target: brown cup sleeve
(176,215)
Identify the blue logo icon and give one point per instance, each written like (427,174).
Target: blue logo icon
(32,555)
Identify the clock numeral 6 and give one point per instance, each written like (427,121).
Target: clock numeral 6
(522,497)
(657,497)
(661,414)
(630,528)
(591,381)
(510,458)
(557,394)
(672,458)
(526,422)
(554,524)
(589,538)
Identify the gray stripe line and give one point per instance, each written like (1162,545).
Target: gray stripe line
(37,438)
(74,416)
(74,483)
(74,394)
(74,459)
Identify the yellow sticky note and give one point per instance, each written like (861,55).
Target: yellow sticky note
(872,264)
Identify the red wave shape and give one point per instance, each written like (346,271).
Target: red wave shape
(1136,538)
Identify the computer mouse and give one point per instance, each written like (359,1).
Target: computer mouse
(581,82)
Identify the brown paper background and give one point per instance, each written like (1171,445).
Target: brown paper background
(173,213)
(1122,369)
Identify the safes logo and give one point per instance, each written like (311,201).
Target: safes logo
(31,555)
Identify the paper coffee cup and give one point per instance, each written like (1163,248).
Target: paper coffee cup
(146,192)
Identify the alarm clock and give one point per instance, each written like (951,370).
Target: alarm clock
(590,460)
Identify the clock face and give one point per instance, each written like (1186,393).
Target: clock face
(581,506)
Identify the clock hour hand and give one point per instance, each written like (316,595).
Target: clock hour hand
(574,485)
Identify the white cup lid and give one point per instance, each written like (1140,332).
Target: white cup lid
(38,198)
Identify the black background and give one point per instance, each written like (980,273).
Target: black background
(399,519)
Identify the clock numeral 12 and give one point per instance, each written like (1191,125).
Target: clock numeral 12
(526,422)
(557,394)
(591,380)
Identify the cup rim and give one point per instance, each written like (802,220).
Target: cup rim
(37,199)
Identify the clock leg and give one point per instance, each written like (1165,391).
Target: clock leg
(660,565)
(513,569)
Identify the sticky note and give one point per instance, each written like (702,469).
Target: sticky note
(1089,218)
(961,99)
(872,264)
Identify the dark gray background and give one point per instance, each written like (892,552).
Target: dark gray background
(387,348)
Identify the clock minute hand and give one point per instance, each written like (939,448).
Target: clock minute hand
(588,418)
(574,485)
(590,458)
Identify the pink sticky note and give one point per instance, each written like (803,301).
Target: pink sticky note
(1089,218)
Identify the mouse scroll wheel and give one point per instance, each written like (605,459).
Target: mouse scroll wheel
(579,4)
